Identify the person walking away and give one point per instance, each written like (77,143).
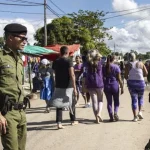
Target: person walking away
(46,90)
(111,77)
(134,74)
(85,91)
(47,82)
(13,128)
(94,83)
(77,71)
(65,80)
(122,67)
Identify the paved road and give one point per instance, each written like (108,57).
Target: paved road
(122,135)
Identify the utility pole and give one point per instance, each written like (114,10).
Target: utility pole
(45,24)
(114,47)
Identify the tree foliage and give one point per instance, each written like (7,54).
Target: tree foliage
(84,27)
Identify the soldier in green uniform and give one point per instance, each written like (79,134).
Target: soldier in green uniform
(12,116)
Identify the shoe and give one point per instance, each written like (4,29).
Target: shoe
(87,106)
(116,117)
(135,119)
(59,126)
(111,120)
(140,115)
(73,123)
(47,110)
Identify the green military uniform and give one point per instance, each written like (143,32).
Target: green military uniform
(11,73)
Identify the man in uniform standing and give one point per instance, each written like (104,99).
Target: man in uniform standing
(12,116)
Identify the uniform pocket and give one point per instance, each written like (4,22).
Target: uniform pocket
(6,69)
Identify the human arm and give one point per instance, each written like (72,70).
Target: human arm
(72,75)
(126,74)
(143,67)
(120,82)
(3,122)
(118,76)
(145,72)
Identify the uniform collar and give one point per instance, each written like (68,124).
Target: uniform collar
(8,50)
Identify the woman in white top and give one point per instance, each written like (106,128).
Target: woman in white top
(135,72)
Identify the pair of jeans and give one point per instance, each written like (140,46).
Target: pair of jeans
(59,115)
(112,93)
(136,89)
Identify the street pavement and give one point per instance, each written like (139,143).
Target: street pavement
(122,135)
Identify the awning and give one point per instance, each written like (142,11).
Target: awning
(72,48)
(37,50)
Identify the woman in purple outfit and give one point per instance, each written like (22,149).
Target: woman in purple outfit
(94,83)
(111,76)
(77,70)
(135,71)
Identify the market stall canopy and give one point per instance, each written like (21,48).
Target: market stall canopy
(72,48)
(37,50)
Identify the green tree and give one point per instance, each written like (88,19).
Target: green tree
(134,51)
(84,27)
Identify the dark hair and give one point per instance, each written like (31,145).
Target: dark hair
(78,56)
(110,58)
(6,34)
(63,50)
(121,65)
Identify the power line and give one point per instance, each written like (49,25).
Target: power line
(22,1)
(20,12)
(131,22)
(51,10)
(27,13)
(126,10)
(124,14)
(20,4)
(57,6)
(136,21)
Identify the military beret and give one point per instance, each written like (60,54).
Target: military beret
(15,28)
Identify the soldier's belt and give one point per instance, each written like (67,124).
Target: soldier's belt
(18,106)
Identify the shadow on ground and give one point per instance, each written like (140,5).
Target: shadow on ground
(38,110)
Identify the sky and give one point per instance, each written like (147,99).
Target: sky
(129,32)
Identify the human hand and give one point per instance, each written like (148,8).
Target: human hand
(75,92)
(3,124)
(122,90)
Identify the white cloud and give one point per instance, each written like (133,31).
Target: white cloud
(119,5)
(31,25)
(135,34)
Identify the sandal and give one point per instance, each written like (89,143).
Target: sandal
(100,118)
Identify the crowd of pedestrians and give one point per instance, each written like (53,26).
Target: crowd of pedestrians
(62,84)
(90,77)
